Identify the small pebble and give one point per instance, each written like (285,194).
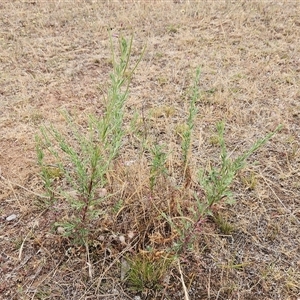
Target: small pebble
(60,230)
(11,217)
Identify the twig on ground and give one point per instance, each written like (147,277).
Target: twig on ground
(186,294)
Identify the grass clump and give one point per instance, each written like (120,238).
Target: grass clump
(147,271)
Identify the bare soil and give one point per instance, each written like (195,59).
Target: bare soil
(56,55)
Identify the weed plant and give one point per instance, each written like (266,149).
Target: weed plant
(83,157)
(158,164)
(187,132)
(216,180)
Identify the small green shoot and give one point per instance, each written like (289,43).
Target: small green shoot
(216,181)
(158,164)
(188,129)
(147,271)
(224,226)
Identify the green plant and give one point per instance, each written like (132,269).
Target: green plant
(172,29)
(216,181)
(249,180)
(83,156)
(184,226)
(46,174)
(189,228)
(158,164)
(216,185)
(147,271)
(187,130)
(224,226)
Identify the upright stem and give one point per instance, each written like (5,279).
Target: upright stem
(187,238)
(87,198)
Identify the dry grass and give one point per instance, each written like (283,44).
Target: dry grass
(56,54)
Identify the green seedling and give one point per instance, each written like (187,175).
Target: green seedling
(158,168)
(216,181)
(224,226)
(188,129)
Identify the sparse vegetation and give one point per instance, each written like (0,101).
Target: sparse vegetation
(140,188)
(86,164)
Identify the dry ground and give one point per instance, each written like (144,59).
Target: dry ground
(55,54)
